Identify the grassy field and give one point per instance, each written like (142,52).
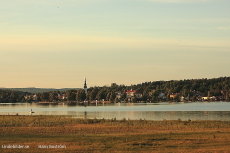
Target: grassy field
(47,133)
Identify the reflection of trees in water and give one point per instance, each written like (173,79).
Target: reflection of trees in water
(85,114)
(185,115)
(130,110)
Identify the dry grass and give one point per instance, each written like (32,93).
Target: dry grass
(94,135)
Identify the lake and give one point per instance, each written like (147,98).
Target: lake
(148,111)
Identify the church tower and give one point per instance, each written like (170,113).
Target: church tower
(85,86)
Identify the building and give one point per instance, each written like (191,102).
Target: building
(161,95)
(85,86)
(174,95)
(62,96)
(35,97)
(118,94)
(133,93)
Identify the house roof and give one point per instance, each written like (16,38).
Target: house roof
(133,91)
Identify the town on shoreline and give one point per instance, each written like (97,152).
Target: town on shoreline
(216,89)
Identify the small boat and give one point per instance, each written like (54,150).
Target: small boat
(31,112)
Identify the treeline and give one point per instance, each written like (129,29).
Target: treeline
(151,91)
(11,96)
(190,89)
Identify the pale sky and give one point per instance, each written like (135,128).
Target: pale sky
(56,43)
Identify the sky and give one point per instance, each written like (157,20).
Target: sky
(56,43)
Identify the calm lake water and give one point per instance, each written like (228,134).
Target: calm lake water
(148,111)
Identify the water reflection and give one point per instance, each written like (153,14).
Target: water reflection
(149,111)
(161,115)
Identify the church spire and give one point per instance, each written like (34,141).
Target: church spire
(85,86)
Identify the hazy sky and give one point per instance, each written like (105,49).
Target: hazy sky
(56,43)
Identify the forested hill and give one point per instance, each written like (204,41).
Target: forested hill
(37,90)
(179,86)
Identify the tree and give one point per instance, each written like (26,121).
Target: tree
(117,100)
(153,99)
(156,93)
(193,98)
(21,98)
(71,95)
(45,96)
(13,96)
(29,99)
(123,96)
(88,95)
(80,96)
(38,97)
(133,99)
(227,95)
(144,97)
(112,96)
(108,96)
(101,95)
(188,97)
(209,95)
(93,94)
(53,96)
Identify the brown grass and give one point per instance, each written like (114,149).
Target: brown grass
(94,135)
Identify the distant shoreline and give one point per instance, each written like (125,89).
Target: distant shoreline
(105,102)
